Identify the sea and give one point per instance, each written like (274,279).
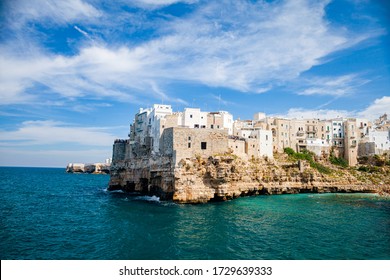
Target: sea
(48,214)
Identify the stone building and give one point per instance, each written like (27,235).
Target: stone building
(158,131)
(186,156)
(184,142)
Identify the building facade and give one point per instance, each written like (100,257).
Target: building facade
(194,132)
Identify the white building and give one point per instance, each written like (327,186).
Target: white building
(265,142)
(259,141)
(227,120)
(194,118)
(259,116)
(139,130)
(338,132)
(158,112)
(317,146)
(380,139)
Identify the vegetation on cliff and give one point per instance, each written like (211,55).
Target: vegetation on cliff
(373,170)
(290,172)
(309,157)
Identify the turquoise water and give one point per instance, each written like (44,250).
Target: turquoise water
(49,214)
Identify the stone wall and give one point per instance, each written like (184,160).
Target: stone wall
(188,143)
(237,146)
(119,150)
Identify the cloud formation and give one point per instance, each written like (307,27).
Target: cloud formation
(20,12)
(333,86)
(51,132)
(379,107)
(239,45)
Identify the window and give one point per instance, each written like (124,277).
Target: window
(212,126)
(189,145)
(203,145)
(189,138)
(190,116)
(266,138)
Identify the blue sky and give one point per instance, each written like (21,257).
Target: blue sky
(73,73)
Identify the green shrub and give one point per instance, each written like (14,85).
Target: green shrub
(308,156)
(338,161)
(320,167)
(289,151)
(369,169)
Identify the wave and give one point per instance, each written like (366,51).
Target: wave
(148,198)
(115,191)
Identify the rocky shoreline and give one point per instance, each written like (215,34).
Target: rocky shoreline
(90,168)
(225,177)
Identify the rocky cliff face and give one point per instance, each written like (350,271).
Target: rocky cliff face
(95,168)
(199,180)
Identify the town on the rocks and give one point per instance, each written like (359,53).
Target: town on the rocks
(194,156)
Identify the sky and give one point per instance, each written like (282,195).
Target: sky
(73,73)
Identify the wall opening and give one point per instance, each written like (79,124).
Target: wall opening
(203,145)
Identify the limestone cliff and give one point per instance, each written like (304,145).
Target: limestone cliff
(95,168)
(202,179)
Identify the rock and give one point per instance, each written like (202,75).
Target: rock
(227,177)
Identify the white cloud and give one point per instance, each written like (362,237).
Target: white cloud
(333,86)
(323,114)
(52,11)
(51,132)
(234,44)
(377,108)
(82,31)
(159,3)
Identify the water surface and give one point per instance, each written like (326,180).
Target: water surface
(49,214)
